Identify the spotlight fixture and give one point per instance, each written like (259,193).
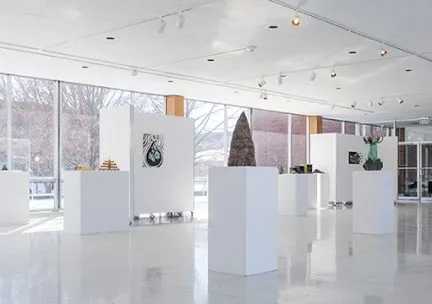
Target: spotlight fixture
(251,49)
(262,83)
(370,103)
(134,72)
(296,21)
(381,102)
(333,73)
(383,52)
(332,106)
(400,100)
(162,25)
(354,104)
(280,79)
(261,95)
(265,95)
(313,76)
(180,20)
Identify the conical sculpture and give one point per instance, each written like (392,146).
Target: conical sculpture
(242,152)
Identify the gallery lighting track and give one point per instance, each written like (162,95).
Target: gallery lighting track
(350,30)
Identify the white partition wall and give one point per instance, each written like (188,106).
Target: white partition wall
(165,187)
(329,153)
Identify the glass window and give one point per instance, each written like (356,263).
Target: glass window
(298,139)
(3,120)
(147,103)
(332,126)
(350,127)
(80,105)
(209,142)
(270,135)
(33,136)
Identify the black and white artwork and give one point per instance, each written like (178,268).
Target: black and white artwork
(153,150)
(353,158)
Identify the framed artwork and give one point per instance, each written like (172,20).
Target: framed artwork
(353,158)
(152,150)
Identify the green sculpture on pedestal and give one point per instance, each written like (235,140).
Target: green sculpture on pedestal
(373,163)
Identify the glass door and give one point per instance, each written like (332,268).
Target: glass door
(408,172)
(426,172)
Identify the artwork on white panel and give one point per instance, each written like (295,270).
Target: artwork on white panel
(153,150)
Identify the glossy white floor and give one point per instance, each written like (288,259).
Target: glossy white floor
(320,261)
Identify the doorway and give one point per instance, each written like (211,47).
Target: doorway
(415,172)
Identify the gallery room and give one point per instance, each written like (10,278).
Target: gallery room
(215,152)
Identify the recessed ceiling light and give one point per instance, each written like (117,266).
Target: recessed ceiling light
(110,38)
(210,60)
(296,21)
(235,92)
(338,89)
(84,67)
(408,70)
(352,52)
(170,81)
(416,106)
(273,27)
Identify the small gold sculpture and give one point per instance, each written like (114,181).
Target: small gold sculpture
(109,165)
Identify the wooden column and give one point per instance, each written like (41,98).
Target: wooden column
(315,125)
(175,105)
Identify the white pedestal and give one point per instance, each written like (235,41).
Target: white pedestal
(373,202)
(242,220)
(293,194)
(14,201)
(323,190)
(96,201)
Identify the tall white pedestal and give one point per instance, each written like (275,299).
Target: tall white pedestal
(14,200)
(293,194)
(242,220)
(373,202)
(96,201)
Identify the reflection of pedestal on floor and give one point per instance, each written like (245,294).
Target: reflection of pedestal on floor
(293,194)
(373,202)
(96,202)
(14,201)
(242,220)
(323,190)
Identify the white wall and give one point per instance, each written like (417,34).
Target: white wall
(329,153)
(170,187)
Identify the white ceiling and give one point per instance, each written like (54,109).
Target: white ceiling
(54,38)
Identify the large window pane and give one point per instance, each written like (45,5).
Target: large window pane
(209,142)
(332,126)
(298,139)
(3,120)
(80,105)
(270,135)
(33,136)
(350,128)
(147,103)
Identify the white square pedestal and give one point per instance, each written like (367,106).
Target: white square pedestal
(14,201)
(96,201)
(293,194)
(242,220)
(373,202)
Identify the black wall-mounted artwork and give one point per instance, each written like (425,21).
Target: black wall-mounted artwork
(354,158)
(153,150)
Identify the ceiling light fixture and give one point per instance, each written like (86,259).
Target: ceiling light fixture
(400,100)
(333,73)
(408,70)
(354,104)
(352,52)
(296,21)
(338,89)
(180,20)
(332,106)
(280,79)
(109,38)
(162,25)
(262,83)
(210,60)
(134,72)
(84,67)
(381,102)
(170,81)
(383,52)
(265,95)
(370,103)
(251,49)
(313,76)
(261,95)
(273,27)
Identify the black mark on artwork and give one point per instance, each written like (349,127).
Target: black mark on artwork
(353,158)
(153,150)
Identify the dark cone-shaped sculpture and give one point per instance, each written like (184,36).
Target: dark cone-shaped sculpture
(242,152)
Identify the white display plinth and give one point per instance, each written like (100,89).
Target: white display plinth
(373,202)
(293,194)
(242,237)
(96,201)
(323,190)
(14,201)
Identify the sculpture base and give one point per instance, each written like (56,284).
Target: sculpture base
(373,165)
